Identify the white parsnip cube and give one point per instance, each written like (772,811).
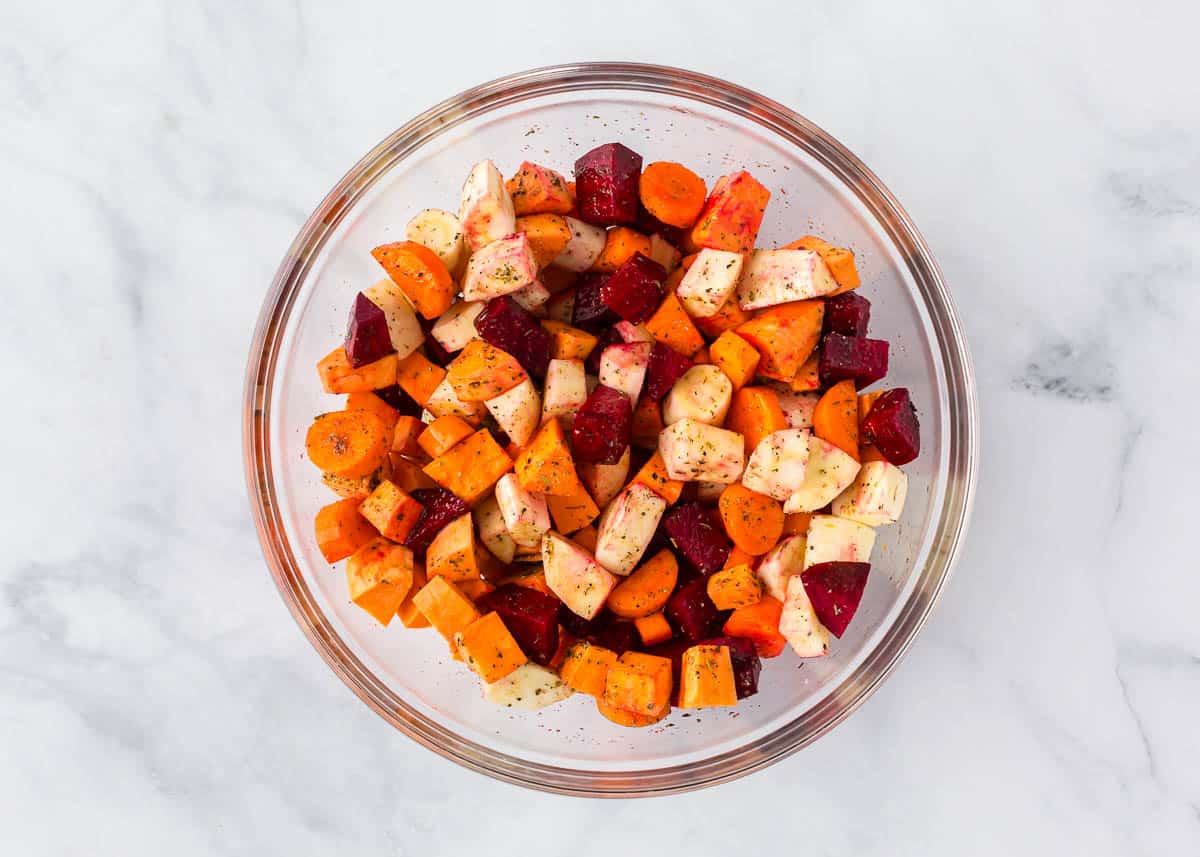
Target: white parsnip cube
(627,526)
(772,277)
(565,390)
(797,407)
(493,532)
(695,451)
(404,330)
(829,472)
(574,575)
(832,539)
(529,686)
(702,393)
(486,211)
(526,514)
(664,252)
(584,248)
(500,268)
(709,282)
(623,367)
(777,466)
(876,496)
(604,481)
(518,411)
(441,232)
(798,623)
(532,298)
(780,563)
(456,326)
(631,332)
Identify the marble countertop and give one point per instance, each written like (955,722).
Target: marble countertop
(157,159)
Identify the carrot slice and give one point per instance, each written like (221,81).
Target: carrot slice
(754,413)
(753,521)
(347,443)
(647,590)
(760,624)
(672,193)
(835,417)
(619,246)
(420,274)
(341,530)
(338,376)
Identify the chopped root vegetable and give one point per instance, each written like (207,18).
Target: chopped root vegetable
(539,190)
(347,443)
(839,260)
(759,623)
(585,667)
(341,530)
(481,371)
(455,554)
(489,649)
(654,476)
(574,511)
(620,245)
(784,337)
(545,466)
(446,607)
(732,214)
(420,274)
(628,718)
(471,467)
(391,511)
(639,683)
(338,376)
(737,586)
(706,678)
(440,435)
(570,343)
(754,413)
(672,193)
(835,418)
(673,327)
(407,612)
(379,576)
(753,521)
(418,377)
(736,357)
(581,583)
(653,629)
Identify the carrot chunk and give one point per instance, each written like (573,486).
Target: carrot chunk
(734,587)
(753,521)
(536,189)
(338,376)
(548,235)
(619,246)
(754,413)
(784,336)
(347,443)
(341,530)
(835,417)
(653,629)
(648,589)
(673,327)
(672,193)
(481,371)
(418,377)
(731,214)
(420,274)
(760,624)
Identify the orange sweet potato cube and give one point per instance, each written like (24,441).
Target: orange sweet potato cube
(446,607)
(489,648)
(341,530)
(654,476)
(379,576)
(572,511)
(736,357)
(545,465)
(639,683)
(653,629)
(734,586)
(706,678)
(569,343)
(406,437)
(454,552)
(784,336)
(407,612)
(585,667)
(439,436)
(471,467)
(391,510)
(419,377)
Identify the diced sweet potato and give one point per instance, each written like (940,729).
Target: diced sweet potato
(482,371)
(489,649)
(471,467)
(391,510)
(536,189)
(621,717)
(655,477)
(418,377)
(784,337)
(440,435)
(647,424)
(653,629)
(545,466)
(408,613)
(341,530)
(446,607)
(732,214)
(455,553)
(754,413)
(620,245)
(606,184)
(746,664)
(706,678)
(379,576)
(734,587)
(736,357)
(586,667)
(672,326)
(639,683)
(569,343)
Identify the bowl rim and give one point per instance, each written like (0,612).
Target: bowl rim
(962,429)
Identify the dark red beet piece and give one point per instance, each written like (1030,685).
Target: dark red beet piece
(589,311)
(603,426)
(530,616)
(699,536)
(863,360)
(619,636)
(892,426)
(692,612)
(433,349)
(634,291)
(835,588)
(847,314)
(746,663)
(584,629)
(606,184)
(605,336)
(666,366)
(367,337)
(441,507)
(400,400)
(508,326)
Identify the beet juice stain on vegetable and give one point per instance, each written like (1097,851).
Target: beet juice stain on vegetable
(632,460)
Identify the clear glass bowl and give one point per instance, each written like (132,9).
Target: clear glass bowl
(553,115)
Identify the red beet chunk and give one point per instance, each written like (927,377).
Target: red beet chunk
(835,588)
(400,400)
(697,532)
(634,291)
(892,426)
(847,314)
(863,360)
(602,427)
(367,338)
(530,616)
(433,349)
(606,336)
(666,366)
(509,326)
(584,629)
(441,507)
(606,185)
(619,636)
(589,311)
(746,663)
(692,612)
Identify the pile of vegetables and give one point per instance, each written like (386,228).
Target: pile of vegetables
(602,444)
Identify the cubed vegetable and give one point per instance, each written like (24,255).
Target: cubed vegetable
(486,210)
(581,583)
(626,527)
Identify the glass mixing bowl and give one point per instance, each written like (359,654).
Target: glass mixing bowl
(552,115)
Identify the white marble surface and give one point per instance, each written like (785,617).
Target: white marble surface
(157,158)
